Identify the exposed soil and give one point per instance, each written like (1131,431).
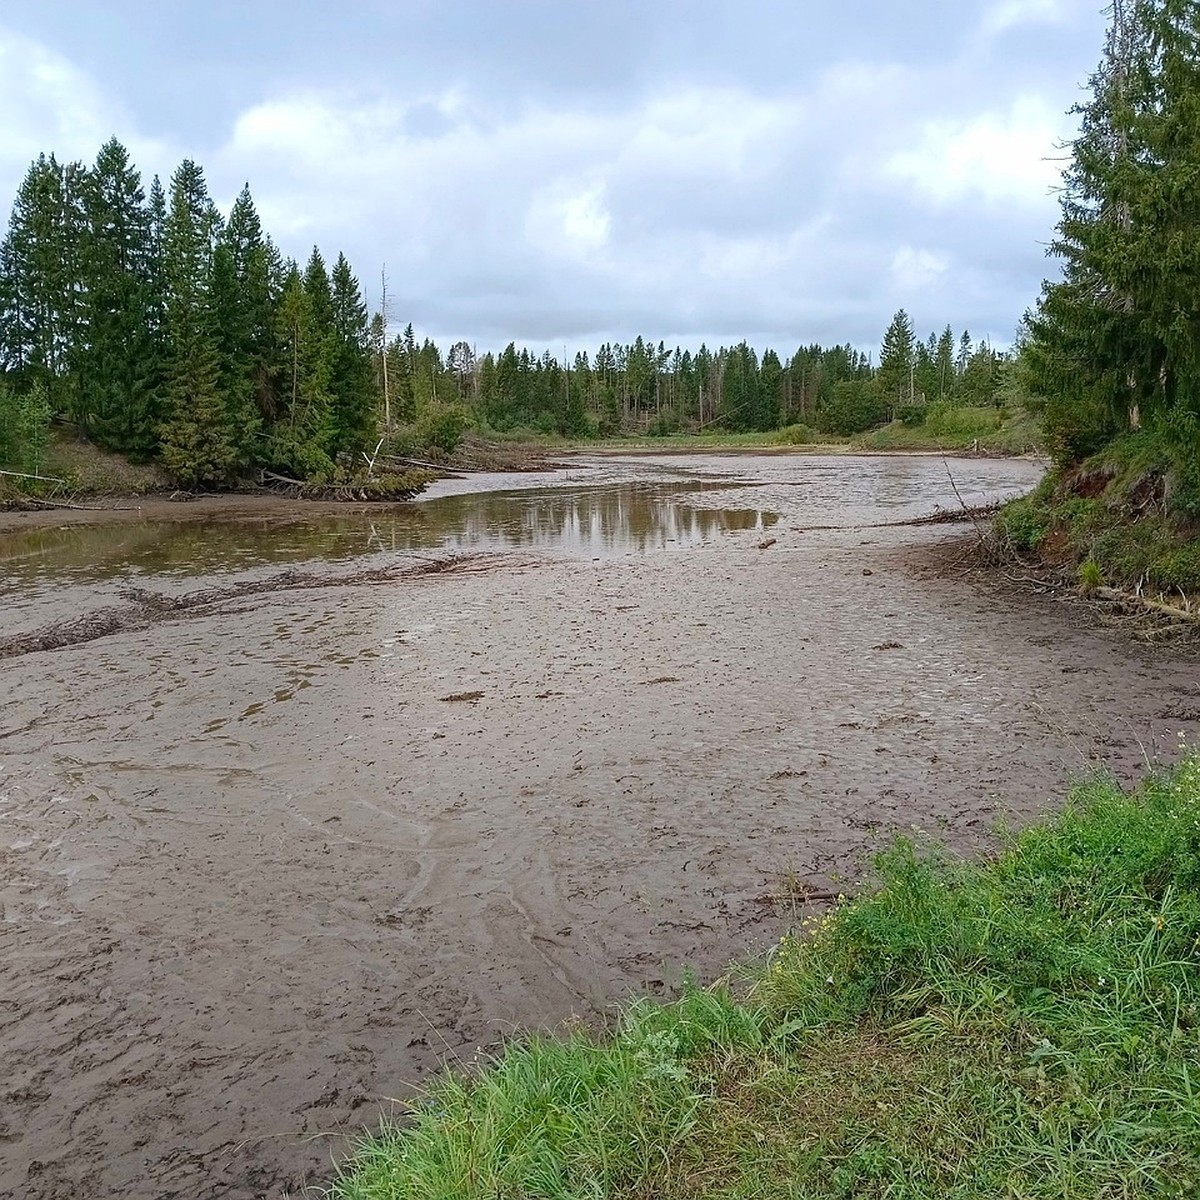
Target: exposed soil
(270,858)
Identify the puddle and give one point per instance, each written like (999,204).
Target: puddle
(629,518)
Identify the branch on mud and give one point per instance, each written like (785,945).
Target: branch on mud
(147,608)
(948,516)
(1135,600)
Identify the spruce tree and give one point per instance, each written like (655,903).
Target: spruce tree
(40,295)
(117,356)
(301,436)
(1110,341)
(944,366)
(244,265)
(199,446)
(351,384)
(894,379)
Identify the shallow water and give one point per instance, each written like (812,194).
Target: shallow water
(598,508)
(264,864)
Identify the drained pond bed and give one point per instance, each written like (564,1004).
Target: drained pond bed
(261,877)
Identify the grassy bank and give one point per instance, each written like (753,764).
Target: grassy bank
(1025,1028)
(988,431)
(1123,517)
(991,431)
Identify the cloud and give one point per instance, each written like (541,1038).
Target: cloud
(1011,14)
(49,104)
(693,195)
(1001,158)
(917,270)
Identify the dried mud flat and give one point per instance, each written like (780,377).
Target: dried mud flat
(268,862)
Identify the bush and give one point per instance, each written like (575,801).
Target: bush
(854,407)
(795,435)
(1023,525)
(442,428)
(912,415)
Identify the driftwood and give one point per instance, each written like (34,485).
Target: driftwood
(40,503)
(1133,599)
(943,516)
(418,462)
(41,478)
(374,488)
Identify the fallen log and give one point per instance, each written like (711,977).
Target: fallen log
(1132,599)
(40,503)
(41,478)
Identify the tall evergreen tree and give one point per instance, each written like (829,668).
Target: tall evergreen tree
(40,296)
(199,444)
(249,351)
(896,363)
(351,387)
(944,366)
(118,356)
(301,436)
(1116,340)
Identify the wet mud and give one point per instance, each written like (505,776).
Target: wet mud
(270,861)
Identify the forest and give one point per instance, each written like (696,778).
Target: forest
(157,327)
(1113,345)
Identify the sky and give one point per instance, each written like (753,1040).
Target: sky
(566,172)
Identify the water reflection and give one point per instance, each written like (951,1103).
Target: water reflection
(631,518)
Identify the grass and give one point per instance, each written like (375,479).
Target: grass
(984,430)
(1025,1027)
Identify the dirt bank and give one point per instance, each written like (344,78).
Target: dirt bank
(265,866)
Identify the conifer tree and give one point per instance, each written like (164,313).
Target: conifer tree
(301,435)
(1116,342)
(117,356)
(199,446)
(248,265)
(894,378)
(351,385)
(944,365)
(39,296)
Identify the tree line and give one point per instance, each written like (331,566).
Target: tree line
(1114,345)
(165,330)
(647,387)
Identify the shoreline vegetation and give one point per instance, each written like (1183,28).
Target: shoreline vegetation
(176,334)
(1022,1026)
(74,470)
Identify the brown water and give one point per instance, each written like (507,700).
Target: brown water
(268,860)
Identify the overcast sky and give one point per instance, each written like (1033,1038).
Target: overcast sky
(567,171)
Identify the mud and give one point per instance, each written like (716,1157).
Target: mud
(268,862)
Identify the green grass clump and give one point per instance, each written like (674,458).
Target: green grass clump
(1023,1028)
(947,428)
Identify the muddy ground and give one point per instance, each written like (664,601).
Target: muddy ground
(268,863)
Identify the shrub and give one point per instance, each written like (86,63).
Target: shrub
(442,428)
(1023,525)
(854,407)
(795,435)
